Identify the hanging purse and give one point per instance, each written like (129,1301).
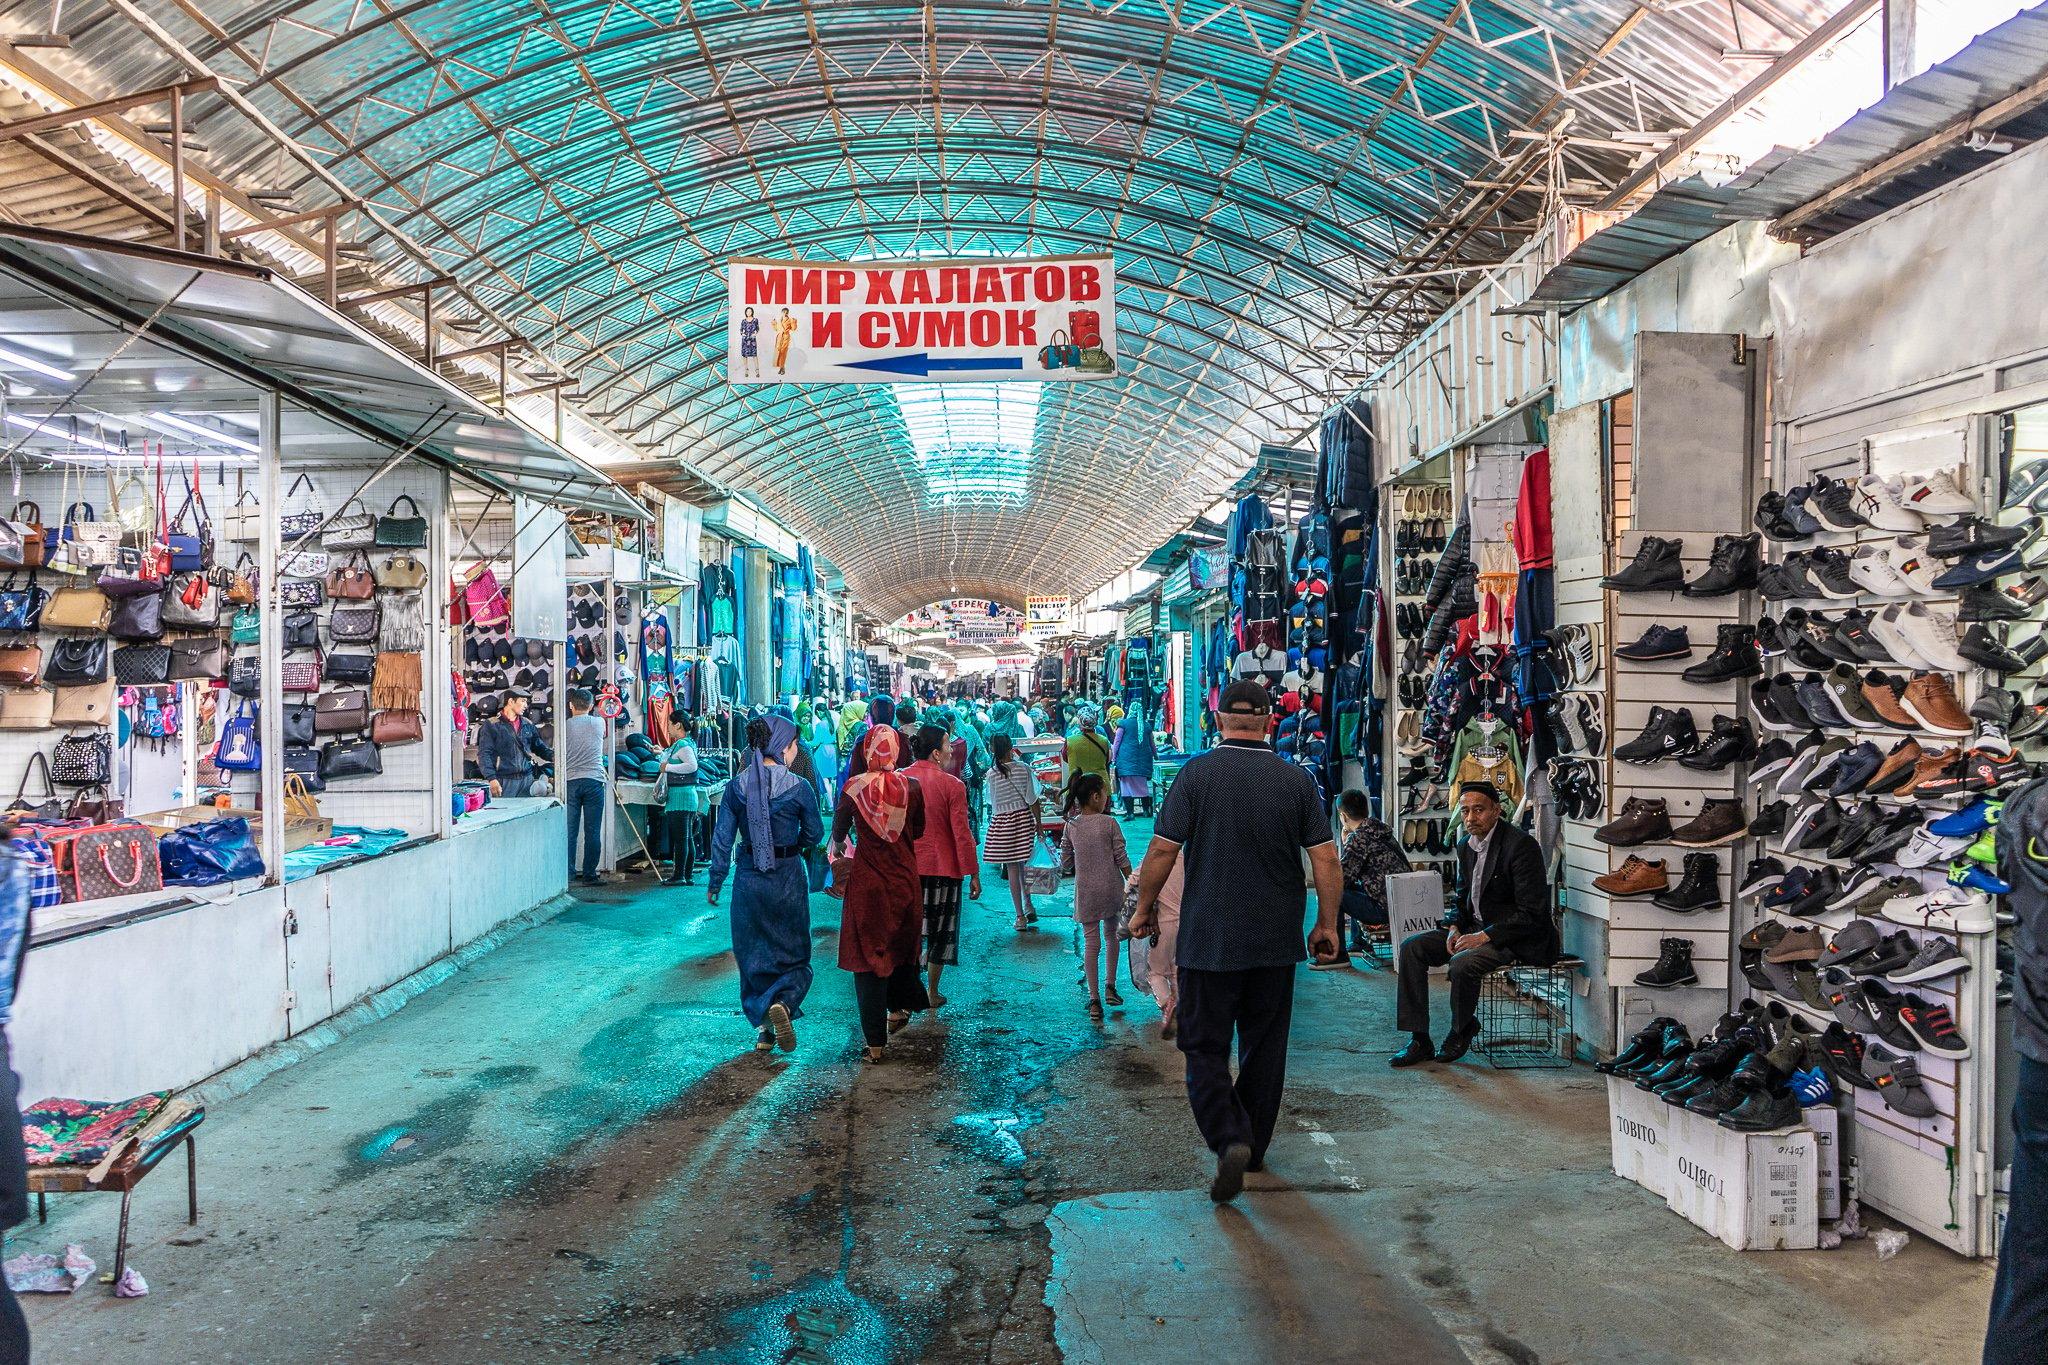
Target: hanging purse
(191,547)
(49,806)
(397,727)
(199,658)
(408,533)
(137,518)
(245,675)
(303,593)
(352,582)
(299,722)
(21,664)
(91,704)
(342,712)
(352,625)
(132,574)
(142,665)
(95,806)
(302,514)
(246,628)
(192,602)
(242,583)
(27,533)
(403,625)
(239,749)
(298,794)
(21,608)
(76,607)
(304,563)
(347,758)
(348,668)
(76,659)
(302,764)
(25,708)
(83,760)
(89,542)
(348,530)
(301,630)
(137,618)
(298,675)
(401,571)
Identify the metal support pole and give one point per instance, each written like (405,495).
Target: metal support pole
(327,251)
(270,641)
(212,247)
(178,167)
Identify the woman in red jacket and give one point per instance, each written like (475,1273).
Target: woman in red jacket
(945,852)
(879,928)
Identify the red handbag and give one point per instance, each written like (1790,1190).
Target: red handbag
(1086,325)
(99,861)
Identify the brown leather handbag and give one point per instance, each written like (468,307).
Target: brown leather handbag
(352,581)
(341,712)
(397,727)
(21,665)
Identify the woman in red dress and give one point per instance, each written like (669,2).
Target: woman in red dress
(881,928)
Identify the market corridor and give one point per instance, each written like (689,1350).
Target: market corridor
(567,1151)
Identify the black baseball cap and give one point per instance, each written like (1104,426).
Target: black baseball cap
(1245,698)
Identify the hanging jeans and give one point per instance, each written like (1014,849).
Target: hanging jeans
(585,801)
(2019,1298)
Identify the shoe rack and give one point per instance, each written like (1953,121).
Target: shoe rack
(1637,927)
(1932,1174)
(1422,510)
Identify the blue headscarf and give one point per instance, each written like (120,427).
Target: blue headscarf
(761,789)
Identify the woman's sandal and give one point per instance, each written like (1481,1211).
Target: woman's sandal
(1095,1010)
(898,1019)
(872,1056)
(1111,998)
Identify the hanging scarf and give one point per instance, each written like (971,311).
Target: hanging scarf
(761,789)
(882,794)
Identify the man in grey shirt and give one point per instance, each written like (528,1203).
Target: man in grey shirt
(583,778)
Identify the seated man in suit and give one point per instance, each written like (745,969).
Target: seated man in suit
(1501,917)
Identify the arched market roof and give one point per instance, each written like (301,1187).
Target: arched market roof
(1258,167)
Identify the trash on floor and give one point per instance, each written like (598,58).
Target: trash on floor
(1889,1242)
(131,1285)
(41,1273)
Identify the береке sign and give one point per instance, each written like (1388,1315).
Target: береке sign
(1030,318)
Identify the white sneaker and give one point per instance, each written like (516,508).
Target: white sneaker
(1951,909)
(1908,556)
(1931,631)
(1927,849)
(1870,568)
(1877,502)
(1935,495)
(1886,629)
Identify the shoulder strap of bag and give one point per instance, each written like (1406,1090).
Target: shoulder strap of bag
(36,761)
(35,512)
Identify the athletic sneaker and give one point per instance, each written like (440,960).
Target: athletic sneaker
(1871,569)
(1935,495)
(1950,909)
(1878,502)
(1933,1027)
(1761,874)
(1938,958)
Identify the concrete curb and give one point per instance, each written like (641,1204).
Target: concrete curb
(251,1071)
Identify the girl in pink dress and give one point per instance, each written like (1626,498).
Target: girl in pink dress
(1092,852)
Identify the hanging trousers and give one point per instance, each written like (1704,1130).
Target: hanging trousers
(1256,1005)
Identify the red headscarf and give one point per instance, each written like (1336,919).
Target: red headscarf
(881,794)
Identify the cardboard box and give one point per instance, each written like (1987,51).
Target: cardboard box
(1754,1191)
(1415,904)
(1826,1122)
(1639,1135)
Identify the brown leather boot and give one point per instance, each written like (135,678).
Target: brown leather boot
(1636,877)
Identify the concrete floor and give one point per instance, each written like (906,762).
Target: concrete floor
(570,1152)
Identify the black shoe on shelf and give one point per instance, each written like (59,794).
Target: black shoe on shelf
(1673,966)
(1657,642)
(1731,567)
(1699,889)
(1647,1042)
(1769,820)
(1735,656)
(1657,567)
(1668,734)
(1732,740)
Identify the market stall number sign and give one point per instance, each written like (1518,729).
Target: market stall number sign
(1033,318)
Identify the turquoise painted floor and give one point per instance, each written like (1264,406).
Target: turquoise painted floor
(569,1152)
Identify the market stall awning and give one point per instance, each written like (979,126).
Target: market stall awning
(248,322)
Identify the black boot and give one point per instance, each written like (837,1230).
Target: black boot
(1674,966)
(1669,734)
(1647,1043)
(1699,889)
(1730,568)
(1657,567)
(1735,656)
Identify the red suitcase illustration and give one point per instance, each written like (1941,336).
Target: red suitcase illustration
(1085,325)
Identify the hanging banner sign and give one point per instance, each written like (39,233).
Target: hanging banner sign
(1045,617)
(1034,318)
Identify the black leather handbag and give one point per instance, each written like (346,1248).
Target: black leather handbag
(137,618)
(402,533)
(142,665)
(245,676)
(201,658)
(346,758)
(299,725)
(305,761)
(75,660)
(350,668)
(301,630)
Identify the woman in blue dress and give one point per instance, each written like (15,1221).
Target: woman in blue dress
(771,896)
(750,345)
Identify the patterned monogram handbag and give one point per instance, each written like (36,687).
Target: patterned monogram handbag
(111,860)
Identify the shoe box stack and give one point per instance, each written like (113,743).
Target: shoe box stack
(1423,518)
(1678,738)
(1889,734)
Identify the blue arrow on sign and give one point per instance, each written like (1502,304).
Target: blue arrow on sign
(923,365)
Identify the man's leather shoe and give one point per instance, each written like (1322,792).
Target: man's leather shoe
(1458,1043)
(1418,1051)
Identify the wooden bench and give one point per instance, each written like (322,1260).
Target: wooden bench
(124,1174)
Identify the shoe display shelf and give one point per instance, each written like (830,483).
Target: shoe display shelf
(1422,513)
(1933,1173)
(1754,1191)
(1638,929)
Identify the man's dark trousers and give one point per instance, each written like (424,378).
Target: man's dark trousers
(1431,948)
(2019,1298)
(585,799)
(1256,1005)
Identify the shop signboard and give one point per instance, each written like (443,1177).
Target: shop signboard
(1045,617)
(1415,904)
(540,571)
(1031,318)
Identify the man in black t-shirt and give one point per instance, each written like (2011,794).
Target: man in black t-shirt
(1240,816)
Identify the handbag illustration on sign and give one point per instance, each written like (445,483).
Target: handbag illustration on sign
(1061,353)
